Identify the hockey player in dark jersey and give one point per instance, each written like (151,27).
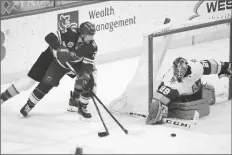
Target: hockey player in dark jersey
(75,46)
(181,91)
(78,99)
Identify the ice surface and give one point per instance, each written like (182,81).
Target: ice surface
(51,129)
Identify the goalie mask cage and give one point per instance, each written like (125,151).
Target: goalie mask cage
(158,49)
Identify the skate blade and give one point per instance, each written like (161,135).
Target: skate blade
(85,119)
(21,116)
(72,109)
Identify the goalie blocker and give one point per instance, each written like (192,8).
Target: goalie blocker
(181,91)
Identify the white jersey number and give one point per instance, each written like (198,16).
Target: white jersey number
(164,90)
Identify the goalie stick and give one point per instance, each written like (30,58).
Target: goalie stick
(171,121)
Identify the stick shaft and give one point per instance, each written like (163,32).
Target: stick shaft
(99,113)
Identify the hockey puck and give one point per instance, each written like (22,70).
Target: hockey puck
(173,135)
(167,20)
(78,151)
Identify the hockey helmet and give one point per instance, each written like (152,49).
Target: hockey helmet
(180,67)
(87,28)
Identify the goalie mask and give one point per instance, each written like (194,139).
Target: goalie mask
(180,67)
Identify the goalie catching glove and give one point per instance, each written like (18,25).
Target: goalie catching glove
(157,111)
(63,55)
(226,70)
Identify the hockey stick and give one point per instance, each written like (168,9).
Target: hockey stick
(100,134)
(105,133)
(173,122)
(126,131)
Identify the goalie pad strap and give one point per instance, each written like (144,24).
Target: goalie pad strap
(187,110)
(188,105)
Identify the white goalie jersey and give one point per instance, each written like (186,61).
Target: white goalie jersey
(189,83)
(170,88)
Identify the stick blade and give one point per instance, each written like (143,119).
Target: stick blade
(103,134)
(126,131)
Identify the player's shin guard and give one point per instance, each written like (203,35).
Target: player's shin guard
(9,93)
(83,103)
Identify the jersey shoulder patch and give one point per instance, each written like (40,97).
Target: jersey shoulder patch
(94,45)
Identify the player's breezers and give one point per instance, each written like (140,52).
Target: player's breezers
(75,46)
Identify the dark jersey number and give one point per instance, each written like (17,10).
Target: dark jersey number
(206,66)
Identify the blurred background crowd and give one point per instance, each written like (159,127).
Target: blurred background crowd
(11,8)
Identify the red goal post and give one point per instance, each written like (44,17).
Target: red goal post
(230,83)
(178,30)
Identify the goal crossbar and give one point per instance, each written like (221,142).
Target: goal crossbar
(173,31)
(189,28)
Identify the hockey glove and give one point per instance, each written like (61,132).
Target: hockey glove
(63,55)
(226,70)
(86,82)
(157,111)
(52,40)
(71,74)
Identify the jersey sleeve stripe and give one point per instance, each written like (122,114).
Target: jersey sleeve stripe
(215,67)
(88,61)
(78,60)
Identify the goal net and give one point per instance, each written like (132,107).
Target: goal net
(192,40)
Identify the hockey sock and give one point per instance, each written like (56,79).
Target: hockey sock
(9,93)
(75,96)
(84,101)
(38,93)
(36,96)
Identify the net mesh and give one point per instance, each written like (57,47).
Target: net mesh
(206,43)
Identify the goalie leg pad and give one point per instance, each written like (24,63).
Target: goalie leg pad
(186,110)
(157,111)
(208,93)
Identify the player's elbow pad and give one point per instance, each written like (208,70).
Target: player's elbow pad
(52,40)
